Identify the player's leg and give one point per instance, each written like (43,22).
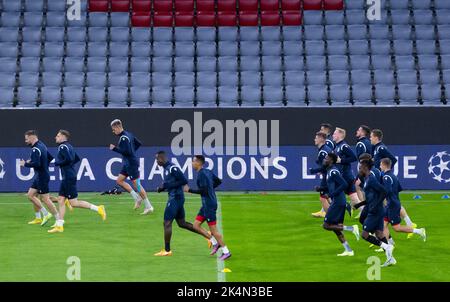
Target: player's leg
(348,250)
(334,220)
(404,215)
(220,242)
(87,205)
(170,214)
(37,206)
(58,227)
(51,207)
(372,224)
(121,182)
(140,189)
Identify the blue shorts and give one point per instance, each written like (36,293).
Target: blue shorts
(351,188)
(335,213)
(174,209)
(130,171)
(373,223)
(68,188)
(393,215)
(323,184)
(208,214)
(364,213)
(41,185)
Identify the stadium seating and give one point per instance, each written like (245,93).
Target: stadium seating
(211,53)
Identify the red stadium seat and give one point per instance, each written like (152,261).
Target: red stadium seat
(162,6)
(184,5)
(140,19)
(226,6)
(205,5)
(270,18)
(287,5)
(333,4)
(184,19)
(162,19)
(206,18)
(98,6)
(248,5)
(226,19)
(141,5)
(248,18)
(292,18)
(269,5)
(120,5)
(312,4)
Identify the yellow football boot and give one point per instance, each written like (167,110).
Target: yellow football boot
(35,221)
(102,212)
(319,214)
(164,253)
(56,229)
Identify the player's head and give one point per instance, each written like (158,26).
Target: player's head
(365,156)
(364,167)
(363,131)
(385,164)
(330,159)
(339,134)
(116,126)
(62,136)
(161,158)
(376,136)
(326,128)
(31,137)
(320,139)
(198,161)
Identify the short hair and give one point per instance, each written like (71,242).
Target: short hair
(31,132)
(387,162)
(200,158)
(161,152)
(116,123)
(321,135)
(326,126)
(365,156)
(65,133)
(342,131)
(377,133)
(333,157)
(366,129)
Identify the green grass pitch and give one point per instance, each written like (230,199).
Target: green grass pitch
(272,237)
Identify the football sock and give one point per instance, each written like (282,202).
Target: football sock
(347,246)
(134,195)
(417,231)
(44,211)
(38,215)
(225,250)
(408,220)
(348,228)
(147,203)
(213,240)
(372,239)
(93,208)
(167,247)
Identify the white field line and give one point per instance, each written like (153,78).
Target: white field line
(220,264)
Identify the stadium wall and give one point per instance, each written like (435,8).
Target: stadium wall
(417,136)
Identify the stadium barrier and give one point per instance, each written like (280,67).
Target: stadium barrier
(266,149)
